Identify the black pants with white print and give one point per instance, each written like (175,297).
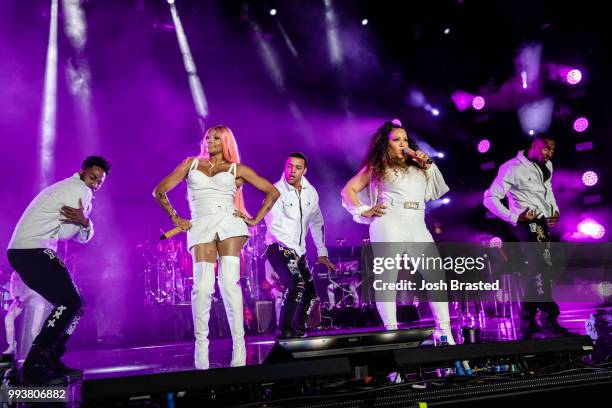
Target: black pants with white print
(535,239)
(43,271)
(295,276)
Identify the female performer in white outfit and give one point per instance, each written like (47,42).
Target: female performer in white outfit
(389,193)
(219,225)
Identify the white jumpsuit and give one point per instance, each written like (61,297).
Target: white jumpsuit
(404,193)
(211,200)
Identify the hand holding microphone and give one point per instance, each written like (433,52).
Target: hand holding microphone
(181,225)
(418,156)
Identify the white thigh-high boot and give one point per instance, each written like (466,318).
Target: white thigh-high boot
(442,319)
(229,284)
(201,300)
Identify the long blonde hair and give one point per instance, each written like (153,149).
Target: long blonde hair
(230,155)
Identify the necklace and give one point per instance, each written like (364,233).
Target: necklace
(213,165)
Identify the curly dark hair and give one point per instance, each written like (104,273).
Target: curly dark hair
(378,158)
(96,161)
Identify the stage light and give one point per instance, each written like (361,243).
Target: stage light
(581,124)
(478,102)
(364,22)
(592,229)
(573,77)
(524,79)
(170,2)
(484,145)
(535,117)
(462,100)
(446,200)
(589,178)
(273,12)
(447,31)
(440,155)
(495,242)
(435,112)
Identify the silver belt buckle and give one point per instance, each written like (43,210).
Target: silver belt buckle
(411,205)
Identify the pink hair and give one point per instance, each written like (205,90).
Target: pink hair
(230,155)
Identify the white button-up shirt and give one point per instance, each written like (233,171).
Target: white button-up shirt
(40,226)
(293,214)
(522,181)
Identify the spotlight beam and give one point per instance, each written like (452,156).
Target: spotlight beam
(197,92)
(287,39)
(49,111)
(333,38)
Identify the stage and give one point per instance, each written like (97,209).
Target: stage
(166,360)
(178,356)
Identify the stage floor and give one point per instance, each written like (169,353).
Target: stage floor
(171,357)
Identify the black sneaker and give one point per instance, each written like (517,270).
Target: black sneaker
(529,328)
(298,333)
(285,334)
(59,368)
(40,374)
(556,329)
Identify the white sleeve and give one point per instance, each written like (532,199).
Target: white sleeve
(273,217)
(364,196)
(497,191)
(436,186)
(85,234)
(317,228)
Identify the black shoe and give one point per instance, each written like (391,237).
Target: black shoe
(529,328)
(556,329)
(37,374)
(285,334)
(59,368)
(298,333)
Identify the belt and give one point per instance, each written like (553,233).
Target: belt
(409,205)
(212,209)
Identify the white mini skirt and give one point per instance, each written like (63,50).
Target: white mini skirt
(218,223)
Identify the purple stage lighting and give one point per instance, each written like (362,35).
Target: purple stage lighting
(440,155)
(364,22)
(581,124)
(495,242)
(531,133)
(435,112)
(589,178)
(478,102)
(573,77)
(273,12)
(446,200)
(592,229)
(483,146)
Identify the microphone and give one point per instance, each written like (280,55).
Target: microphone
(169,234)
(410,152)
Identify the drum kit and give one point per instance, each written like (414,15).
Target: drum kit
(168,269)
(168,275)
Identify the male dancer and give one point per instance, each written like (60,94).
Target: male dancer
(295,211)
(59,212)
(526,181)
